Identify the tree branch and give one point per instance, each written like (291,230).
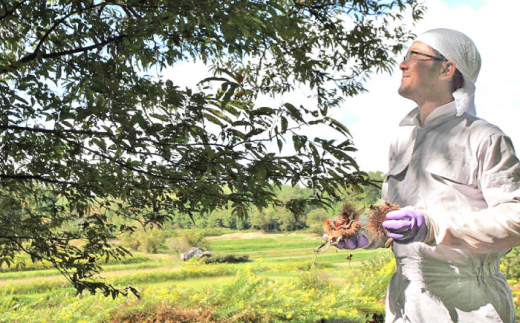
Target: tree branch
(56,24)
(51,260)
(72,51)
(36,177)
(34,55)
(124,165)
(10,12)
(43,130)
(32,238)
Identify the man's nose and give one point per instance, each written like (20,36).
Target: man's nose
(403,65)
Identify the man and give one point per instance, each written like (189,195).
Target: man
(457,180)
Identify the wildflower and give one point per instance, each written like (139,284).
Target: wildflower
(289,316)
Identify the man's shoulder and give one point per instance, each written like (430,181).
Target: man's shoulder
(475,132)
(478,126)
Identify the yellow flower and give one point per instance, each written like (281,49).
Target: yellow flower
(280,310)
(289,316)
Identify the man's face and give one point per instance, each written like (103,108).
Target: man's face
(420,80)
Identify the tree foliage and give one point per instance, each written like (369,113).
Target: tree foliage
(276,218)
(88,127)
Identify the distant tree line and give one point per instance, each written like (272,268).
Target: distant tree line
(272,219)
(278,218)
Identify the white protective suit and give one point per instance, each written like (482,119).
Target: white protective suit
(463,174)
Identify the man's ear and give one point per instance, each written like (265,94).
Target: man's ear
(449,69)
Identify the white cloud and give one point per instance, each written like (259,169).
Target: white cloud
(186,74)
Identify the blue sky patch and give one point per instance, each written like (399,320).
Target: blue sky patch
(474,4)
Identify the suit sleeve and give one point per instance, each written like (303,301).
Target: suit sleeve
(496,228)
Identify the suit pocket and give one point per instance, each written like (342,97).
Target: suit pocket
(452,170)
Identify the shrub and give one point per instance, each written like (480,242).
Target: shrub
(195,238)
(313,279)
(149,239)
(315,220)
(130,240)
(510,264)
(225,259)
(153,240)
(178,245)
(162,312)
(374,282)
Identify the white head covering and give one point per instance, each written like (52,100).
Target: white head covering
(459,48)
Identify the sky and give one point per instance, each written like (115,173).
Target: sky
(494,27)
(373,117)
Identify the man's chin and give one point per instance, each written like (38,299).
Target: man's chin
(403,92)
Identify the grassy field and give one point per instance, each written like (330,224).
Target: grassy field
(282,281)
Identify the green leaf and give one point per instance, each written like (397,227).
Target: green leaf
(293,111)
(339,126)
(284,124)
(264,111)
(315,154)
(161,117)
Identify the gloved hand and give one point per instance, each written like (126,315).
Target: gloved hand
(406,226)
(354,242)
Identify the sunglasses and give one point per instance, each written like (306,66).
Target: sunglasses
(409,55)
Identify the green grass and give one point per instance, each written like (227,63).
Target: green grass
(285,280)
(25,264)
(263,244)
(280,273)
(152,269)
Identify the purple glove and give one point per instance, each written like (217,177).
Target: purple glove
(357,241)
(406,226)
